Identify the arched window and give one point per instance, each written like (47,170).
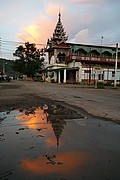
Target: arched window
(81,52)
(106,54)
(114,55)
(94,53)
(118,54)
(61,58)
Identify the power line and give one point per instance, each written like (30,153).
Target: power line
(18,42)
(6,53)
(7,49)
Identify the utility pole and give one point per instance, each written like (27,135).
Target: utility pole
(101,40)
(3,63)
(90,67)
(116,58)
(0,48)
(101,74)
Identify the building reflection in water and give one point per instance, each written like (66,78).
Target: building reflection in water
(49,119)
(41,116)
(56,116)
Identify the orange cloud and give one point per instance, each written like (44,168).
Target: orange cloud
(36,32)
(51,9)
(51,141)
(41,29)
(37,120)
(34,120)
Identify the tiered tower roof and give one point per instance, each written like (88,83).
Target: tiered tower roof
(59,34)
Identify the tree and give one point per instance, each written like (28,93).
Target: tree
(30,59)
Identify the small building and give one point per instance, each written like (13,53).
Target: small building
(79,63)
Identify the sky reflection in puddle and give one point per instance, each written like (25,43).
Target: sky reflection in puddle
(66,163)
(46,124)
(34,138)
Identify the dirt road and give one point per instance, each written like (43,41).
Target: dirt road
(98,102)
(52,142)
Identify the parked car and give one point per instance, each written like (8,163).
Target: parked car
(5,78)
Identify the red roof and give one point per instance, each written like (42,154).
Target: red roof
(62,45)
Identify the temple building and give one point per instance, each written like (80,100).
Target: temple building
(79,63)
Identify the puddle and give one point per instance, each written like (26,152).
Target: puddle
(56,143)
(30,140)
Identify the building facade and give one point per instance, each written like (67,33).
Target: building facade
(79,63)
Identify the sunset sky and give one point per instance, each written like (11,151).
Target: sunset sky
(85,21)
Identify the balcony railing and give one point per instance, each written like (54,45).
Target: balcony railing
(91,59)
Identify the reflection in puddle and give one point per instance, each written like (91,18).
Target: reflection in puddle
(36,133)
(40,143)
(32,117)
(66,162)
(52,118)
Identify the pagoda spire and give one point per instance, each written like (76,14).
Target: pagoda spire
(59,20)
(59,34)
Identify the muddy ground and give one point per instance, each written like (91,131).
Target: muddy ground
(59,132)
(103,103)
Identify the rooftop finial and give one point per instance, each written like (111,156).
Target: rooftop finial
(59,14)
(59,9)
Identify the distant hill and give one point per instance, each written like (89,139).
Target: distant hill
(6,67)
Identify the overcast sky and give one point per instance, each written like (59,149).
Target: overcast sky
(85,21)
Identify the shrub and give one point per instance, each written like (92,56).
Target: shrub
(100,85)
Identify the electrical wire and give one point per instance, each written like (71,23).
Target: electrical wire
(18,42)
(8,47)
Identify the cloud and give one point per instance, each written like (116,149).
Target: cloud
(37,32)
(95,20)
(81,37)
(86,1)
(85,21)
(51,9)
(42,28)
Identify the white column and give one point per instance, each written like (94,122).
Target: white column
(79,74)
(55,76)
(55,56)
(59,77)
(64,76)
